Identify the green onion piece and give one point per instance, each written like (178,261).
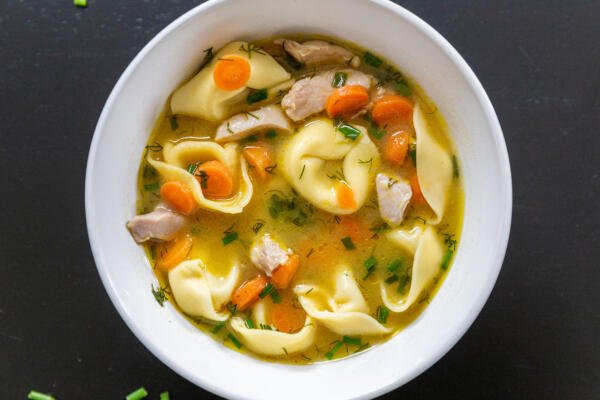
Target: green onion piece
(215,329)
(234,340)
(249,323)
(454,167)
(403,282)
(230,237)
(374,130)
(394,265)
(412,152)
(391,279)
(382,314)
(34,395)
(348,244)
(372,60)
(275,297)
(266,327)
(232,308)
(348,130)
(446,260)
(192,168)
(151,187)
(272,134)
(402,88)
(370,266)
(351,340)
(257,96)
(266,291)
(165,396)
(334,350)
(138,394)
(80,3)
(339,79)
(174,123)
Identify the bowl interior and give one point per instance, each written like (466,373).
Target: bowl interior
(128,118)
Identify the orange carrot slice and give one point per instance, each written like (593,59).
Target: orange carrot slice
(178,197)
(282,276)
(288,317)
(396,147)
(172,253)
(347,100)
(215,179)
(245,295)
(391,108)
(231,72)
(345,197)
(417,194)
(260,158)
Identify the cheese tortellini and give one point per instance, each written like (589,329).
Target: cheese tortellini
(428,252)
(178,157)
(345,312)
(199,293)
(270,342)
(319,158)
(202,97)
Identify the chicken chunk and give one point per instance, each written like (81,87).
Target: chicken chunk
(318,52)
(246,124)
(393,196)
(160,225)
(267,254)
(309,95)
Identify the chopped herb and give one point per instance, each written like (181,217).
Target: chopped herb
(369,161)
(149,172)
(337,175)
(271,134)
(232,308)
(251,49)
(363,347)
(229,128)
(308,291)
(351,340)
(80,3)
(310,252)
(394,265)
(449,241)
(454,167)
(192,168)
(208,56)
(391,279)
(266,327)
(302,172)
(373,129)
(35,395)
(412,152)
(156,147)
(391,182)
(174,123)
(378,228)
(403,282)
(419,218)
(348,244)
(217,327)
(370,264)
(339,79)
(230,237)
(234,340)
(285,351)
(266,291)
(334,349)
(348,130)
(138,394)
(258,226)
(271,169)
(151,187)
(165,396)
(249,323)
(382,314)
(248,113)
(446,260)
(372,60)
(402,87)
(275,297)
(305,357)
(276,206)
(160,294)
(256,96)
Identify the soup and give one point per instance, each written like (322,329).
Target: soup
(299,199)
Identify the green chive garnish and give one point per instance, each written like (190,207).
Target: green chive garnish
(403,282)
(275,297)
(230,237)
(334,350)
(394,265)
(34,395)
(372,60)
(446,260)
(454,167)
(370,266)
(165,396)
(351,340)
(249,323)
(234,340)
(257,96)
(138,394)
(272,134)
(391,279)
(339,79)
(382,314)
(174,123)
(348,130)
(266,327)
(80,3)
(151,187)
(192,168)
(402,88)
(266,291)
(215,329)
(348,244)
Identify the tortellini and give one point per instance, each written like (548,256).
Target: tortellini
(199,293)
(271,342)
(319,158)
(428,253)
(201,97)
(178,157)
(345,312)
(434,166)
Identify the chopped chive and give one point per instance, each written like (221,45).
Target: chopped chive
(412,152)
(234,340)
(285,351)
(165,396)
(348,130)
(302,172)
(80,3)
(266,291)
(391,279)
(351,340)
(216,328)
(138,394)
(370,264)
(151,187)
(275,297)
(160,294)
(334,350)
(232,308)
(35,395)
(266,327)
(249,323)
(378,228)
(339,79)
(394,265)
(382,314)
(208,56)
(257,96)
(454,167)
(348,244)
(403,282)
(373,129)
(271,134)
(372,59)
(174,123)
(402,88)
(192,168)
(230,237)
(446,260)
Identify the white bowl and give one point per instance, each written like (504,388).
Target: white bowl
(123,130)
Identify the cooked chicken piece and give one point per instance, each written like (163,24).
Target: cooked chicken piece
(309,95)
(319,52)
(246,124)
(267,254)
(160,225)
(393,195)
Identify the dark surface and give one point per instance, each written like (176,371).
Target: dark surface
(537,337)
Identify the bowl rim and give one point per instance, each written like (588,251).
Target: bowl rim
(505,214)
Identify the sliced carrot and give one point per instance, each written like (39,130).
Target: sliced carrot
(231,72)
(179,197)
(215,179)
(172,253)
(248,292)
(345,197)
(347,100)
(417,194)
(282,276)
(391,108)
(396,147)
(287,316)
(260,158)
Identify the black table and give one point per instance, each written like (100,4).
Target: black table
(537,337)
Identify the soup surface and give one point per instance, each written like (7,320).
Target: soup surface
(299,199)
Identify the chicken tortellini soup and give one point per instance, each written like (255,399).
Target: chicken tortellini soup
(300,199)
